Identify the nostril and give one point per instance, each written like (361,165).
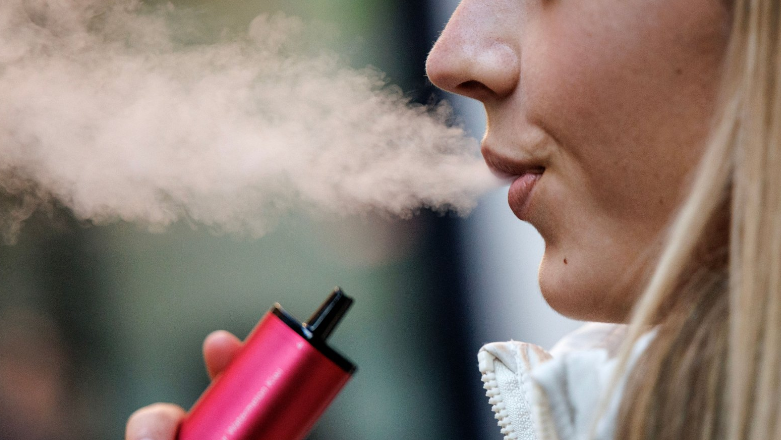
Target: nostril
(472,89)
(470,85)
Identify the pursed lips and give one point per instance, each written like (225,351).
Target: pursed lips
(522,175)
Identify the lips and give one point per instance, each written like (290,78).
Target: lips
(524,175)
(520,194)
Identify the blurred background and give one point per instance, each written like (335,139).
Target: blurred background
(96,322)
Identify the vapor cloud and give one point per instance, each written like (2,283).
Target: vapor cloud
(104,111)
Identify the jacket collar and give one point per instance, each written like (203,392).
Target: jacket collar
(561,395)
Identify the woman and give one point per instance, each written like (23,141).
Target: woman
(644,140)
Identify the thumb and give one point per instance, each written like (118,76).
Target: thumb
(154,422)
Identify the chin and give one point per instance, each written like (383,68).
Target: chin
(579,292)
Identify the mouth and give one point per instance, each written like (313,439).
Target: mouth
(520,195)
(522,175)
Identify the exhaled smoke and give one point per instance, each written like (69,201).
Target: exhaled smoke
(103,111)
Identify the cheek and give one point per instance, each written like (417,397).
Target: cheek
(630,111)
(627,94)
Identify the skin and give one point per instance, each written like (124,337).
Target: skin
(610,99)
(160,420)
(614,100)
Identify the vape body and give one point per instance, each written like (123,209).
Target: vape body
(280,382)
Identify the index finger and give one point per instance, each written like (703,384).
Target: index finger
(219,349)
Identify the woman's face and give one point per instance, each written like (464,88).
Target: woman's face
(599,110)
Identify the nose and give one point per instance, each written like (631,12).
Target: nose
(477,54)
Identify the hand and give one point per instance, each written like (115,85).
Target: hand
(160,421)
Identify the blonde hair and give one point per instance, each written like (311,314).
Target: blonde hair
(713,370)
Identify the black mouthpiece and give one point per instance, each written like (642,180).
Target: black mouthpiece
(327,317)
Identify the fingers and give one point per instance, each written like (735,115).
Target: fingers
(161,420)
(154,422)
(219,349)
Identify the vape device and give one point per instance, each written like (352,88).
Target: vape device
(280,382)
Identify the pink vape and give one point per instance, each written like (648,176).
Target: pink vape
(279,384)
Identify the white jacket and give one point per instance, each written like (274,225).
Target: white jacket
(557,395)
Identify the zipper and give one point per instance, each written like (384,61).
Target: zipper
(496,401)
(504,367)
